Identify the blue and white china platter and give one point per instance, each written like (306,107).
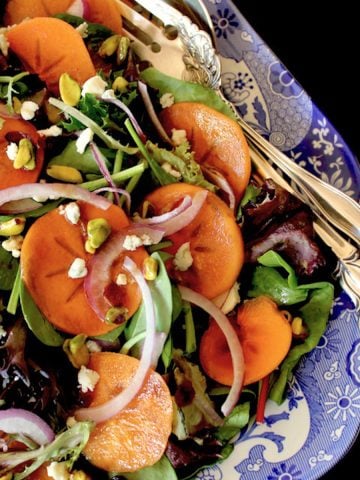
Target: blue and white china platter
(316,425)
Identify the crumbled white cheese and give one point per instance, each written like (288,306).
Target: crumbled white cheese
(84,139)
(121,279)
(170,169)
(78,269)
(108,94)
(71,211)
(82,29)
(28,109)
(183,258)
(132,242)
(13,244)
(12,150)
(58,471)
(2,331)
(178,136)
(53,131)
(4,45)
(93,346)
(70,422)
(87,379)
(167,100)
(95,85)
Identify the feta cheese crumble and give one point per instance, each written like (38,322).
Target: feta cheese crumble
(121,279)
(78,269)
(28,109)
(87,379)
(178,136)
(82,29)
(167,100)
(183,258)
(53,131)
(4,45)
(71,211)
(83,140)
(13,244)
(132,242)
(95,85)
(12,150)
(58,471)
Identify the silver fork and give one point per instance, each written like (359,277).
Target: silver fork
(191,55)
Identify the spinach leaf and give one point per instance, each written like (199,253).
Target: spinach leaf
(36,322)
(234,422)
(160,471)
(8,269)
(315,314)
(185,91)
(84,162)
(162,295)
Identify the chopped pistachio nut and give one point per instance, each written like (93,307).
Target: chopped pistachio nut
(87,379)
(109,46)
(120,84)
(116,315)
(121,279)
(228,300)
(70,422)
(25,157)
(79,475)
(28,109)
(78,269)
(64,173)
(70,90)
(98,230)
(183,258)
(71,212)
(12,227)
(297,326)
(76,350)
(166,100)
(150,268)
(122,50)
(13,244)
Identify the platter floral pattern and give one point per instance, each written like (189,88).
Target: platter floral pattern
(316,425)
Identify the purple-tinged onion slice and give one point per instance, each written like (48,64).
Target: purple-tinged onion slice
(113,406)
(24,422)
(232,341)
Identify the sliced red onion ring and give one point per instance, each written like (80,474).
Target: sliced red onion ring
(101,163)
(120,401)
(184,214)
(231,338)
(100,264)
(186,203)
(23,422)
(120,191)
(52,191)
(220,181)
(19,206)
(152,113)
(118,103)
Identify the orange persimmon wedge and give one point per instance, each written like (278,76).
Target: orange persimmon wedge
(217,140)
(215,239)
(265,336)
(137,436)
(105,12)
(9,176)
(50,47)
(50,246)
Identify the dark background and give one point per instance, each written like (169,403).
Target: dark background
(321,48)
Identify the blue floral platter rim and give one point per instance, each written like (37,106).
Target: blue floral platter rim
(314,428)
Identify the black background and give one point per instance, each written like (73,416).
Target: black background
(322,49)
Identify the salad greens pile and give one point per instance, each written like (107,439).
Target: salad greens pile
(38,373)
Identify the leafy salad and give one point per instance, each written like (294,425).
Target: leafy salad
(154,292)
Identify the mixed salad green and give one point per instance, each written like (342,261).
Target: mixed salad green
(109,141)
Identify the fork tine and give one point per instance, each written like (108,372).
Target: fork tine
(151,43)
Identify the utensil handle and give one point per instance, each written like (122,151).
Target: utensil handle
(337,207)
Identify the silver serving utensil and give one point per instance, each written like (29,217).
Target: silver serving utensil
(191,55)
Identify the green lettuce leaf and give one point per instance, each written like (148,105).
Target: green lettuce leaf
(162,470)
(185,91)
